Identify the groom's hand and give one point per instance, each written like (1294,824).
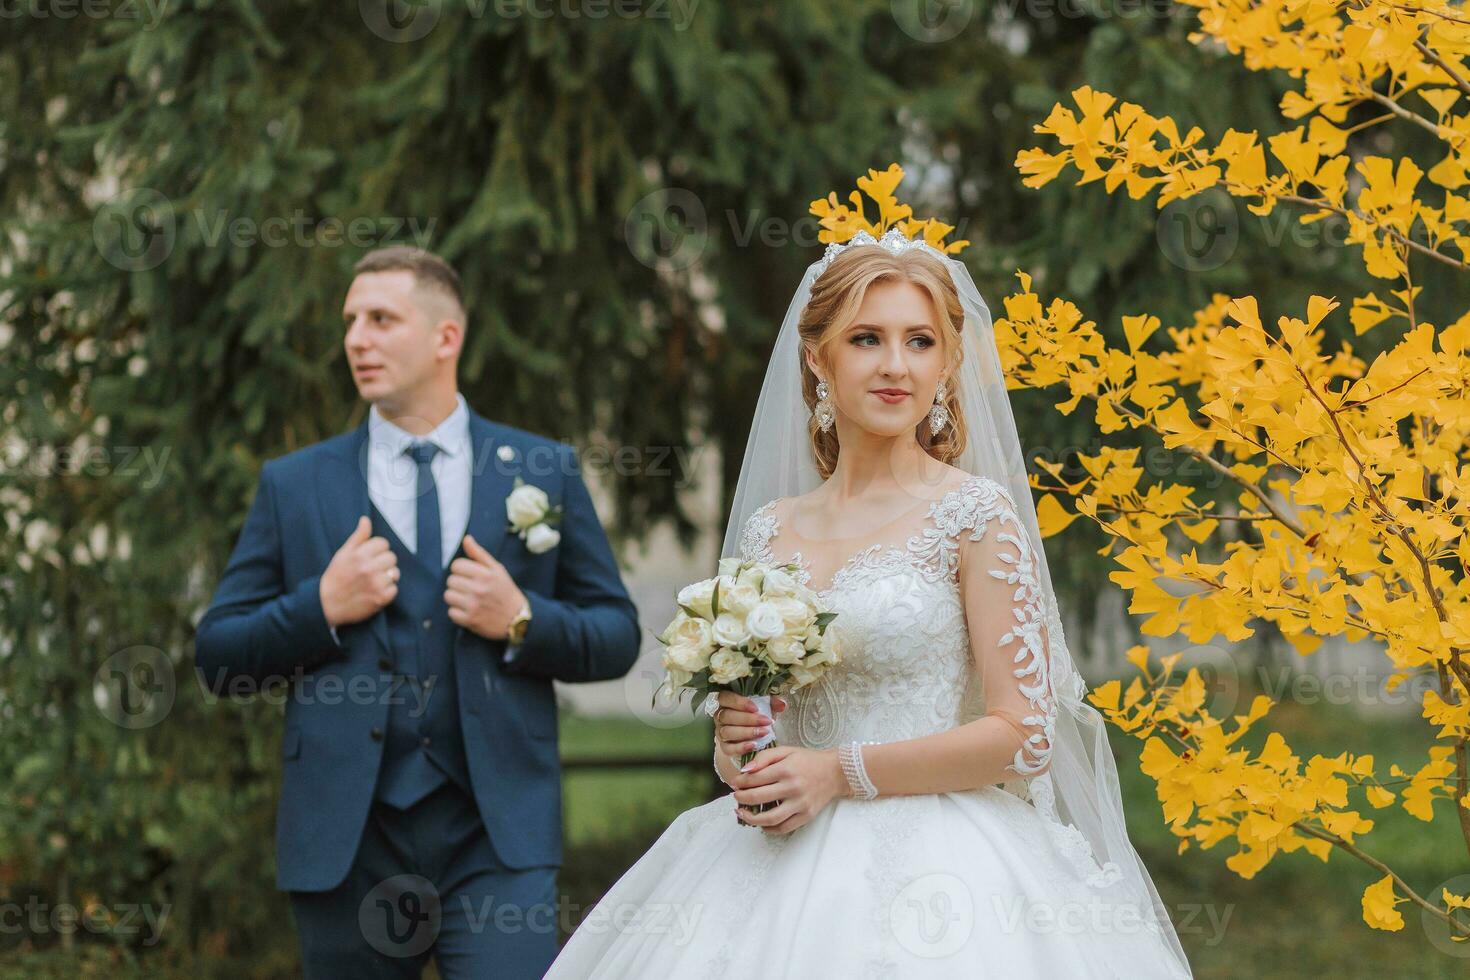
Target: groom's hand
(361,578)
(480,593)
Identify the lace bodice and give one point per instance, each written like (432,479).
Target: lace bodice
(907,666)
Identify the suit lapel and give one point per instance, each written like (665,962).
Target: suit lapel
(492,478)
(342,497)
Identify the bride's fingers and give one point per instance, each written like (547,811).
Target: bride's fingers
(761,794)
(738,709)
(770,818)
(787,826)
(737,733)
(736,749)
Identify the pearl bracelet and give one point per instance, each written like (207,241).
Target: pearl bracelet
(850,755)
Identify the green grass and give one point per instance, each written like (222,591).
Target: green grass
(1299,916)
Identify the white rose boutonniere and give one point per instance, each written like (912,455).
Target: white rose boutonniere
(532,517)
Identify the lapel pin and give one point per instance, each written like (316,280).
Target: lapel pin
(506,453)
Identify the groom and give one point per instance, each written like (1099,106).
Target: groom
(420,809)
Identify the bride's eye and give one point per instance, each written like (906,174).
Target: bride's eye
(926,341)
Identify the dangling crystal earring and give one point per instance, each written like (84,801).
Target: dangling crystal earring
(823,409)
(938,415)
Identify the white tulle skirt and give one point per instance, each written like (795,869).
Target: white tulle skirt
(968,884)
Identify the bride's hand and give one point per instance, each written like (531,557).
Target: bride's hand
(738,724)
(804,780)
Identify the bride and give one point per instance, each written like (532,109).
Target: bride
(949,806)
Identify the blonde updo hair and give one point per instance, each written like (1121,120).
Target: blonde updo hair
(836,296)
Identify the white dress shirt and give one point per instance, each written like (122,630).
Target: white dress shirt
(392,477)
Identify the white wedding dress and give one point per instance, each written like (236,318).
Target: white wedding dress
(959,884)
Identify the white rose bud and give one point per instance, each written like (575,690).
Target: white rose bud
(677,678)
(764,622)
(728,665)
(689,643)
(778,582)
(729,630)
(785,651)
(526,505)
(729,566)
(801,676)
(541,538)
(698,597)
(752,576)
(740,600)
(796,614)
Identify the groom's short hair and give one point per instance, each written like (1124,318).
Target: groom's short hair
(429,271)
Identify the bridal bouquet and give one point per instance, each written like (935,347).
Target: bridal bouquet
(752,629)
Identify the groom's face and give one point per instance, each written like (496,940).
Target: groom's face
(394,341)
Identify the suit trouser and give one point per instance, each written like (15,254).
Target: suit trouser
(425,881)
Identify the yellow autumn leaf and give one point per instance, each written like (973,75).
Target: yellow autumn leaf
(1378,906)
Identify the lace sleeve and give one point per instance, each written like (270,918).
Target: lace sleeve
(1005,616)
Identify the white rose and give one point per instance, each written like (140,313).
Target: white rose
(740,600)
(697,597)
(689,643)
(778,582)
(752,576)
(728,665)
(526,505)
(729,566)
(677,678)
(797,615)
(785,651)
(764,622)
(542,537)
(729,630)
(801,676)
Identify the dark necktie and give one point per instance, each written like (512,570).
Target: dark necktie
(429,539)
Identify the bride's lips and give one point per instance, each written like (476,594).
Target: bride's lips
(364,370)
(891,395)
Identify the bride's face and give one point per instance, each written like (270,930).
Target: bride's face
(885,365)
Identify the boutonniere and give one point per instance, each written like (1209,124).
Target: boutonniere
(532,516)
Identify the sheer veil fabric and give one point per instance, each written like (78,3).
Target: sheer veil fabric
(1080,792)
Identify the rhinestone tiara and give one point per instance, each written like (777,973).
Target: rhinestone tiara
(893,240)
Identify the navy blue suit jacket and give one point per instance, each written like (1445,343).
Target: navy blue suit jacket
(266,622)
